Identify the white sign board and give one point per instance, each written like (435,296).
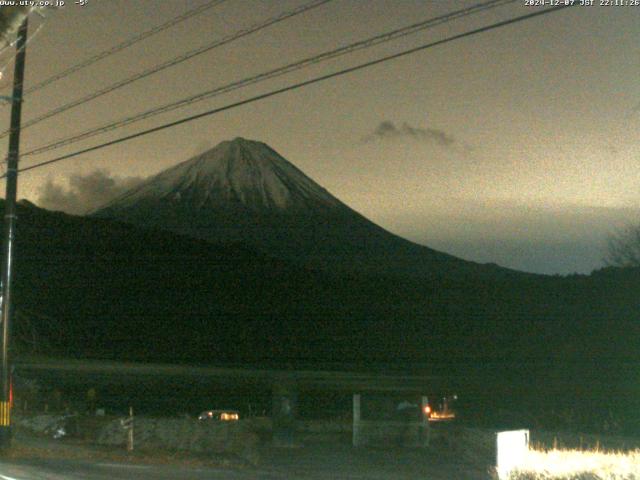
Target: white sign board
(512,448)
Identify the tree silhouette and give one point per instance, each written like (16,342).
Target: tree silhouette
(623,249)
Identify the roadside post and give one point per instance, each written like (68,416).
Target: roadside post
(127,424)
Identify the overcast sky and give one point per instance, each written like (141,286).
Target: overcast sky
(518,146)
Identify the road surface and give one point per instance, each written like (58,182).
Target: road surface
(317,463)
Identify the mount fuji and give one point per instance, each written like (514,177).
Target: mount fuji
(244,191)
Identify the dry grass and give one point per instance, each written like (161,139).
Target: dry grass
(557,464)
(38,448)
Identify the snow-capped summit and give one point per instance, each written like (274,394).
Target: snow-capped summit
(238,173)
(242,190)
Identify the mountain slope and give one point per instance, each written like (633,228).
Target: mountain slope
(243,190)
(102,289)
(99,288)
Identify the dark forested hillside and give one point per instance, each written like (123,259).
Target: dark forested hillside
(106,286)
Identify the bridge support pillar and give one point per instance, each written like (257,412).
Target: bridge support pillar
(425,428)
(284,413)
(356,420)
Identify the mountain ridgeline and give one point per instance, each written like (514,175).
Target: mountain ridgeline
(244,191)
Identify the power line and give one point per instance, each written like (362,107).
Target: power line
(298,85)
(175,61)
(126,44)
(350,48)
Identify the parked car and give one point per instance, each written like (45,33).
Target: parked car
(219,415)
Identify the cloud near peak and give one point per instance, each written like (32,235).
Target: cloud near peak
(84,193)
(387,130)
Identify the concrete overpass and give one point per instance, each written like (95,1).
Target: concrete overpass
(286,386)
(331,379)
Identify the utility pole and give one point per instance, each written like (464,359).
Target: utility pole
(9,235)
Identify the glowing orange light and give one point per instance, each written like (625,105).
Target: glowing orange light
(442,416)
(229,416)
